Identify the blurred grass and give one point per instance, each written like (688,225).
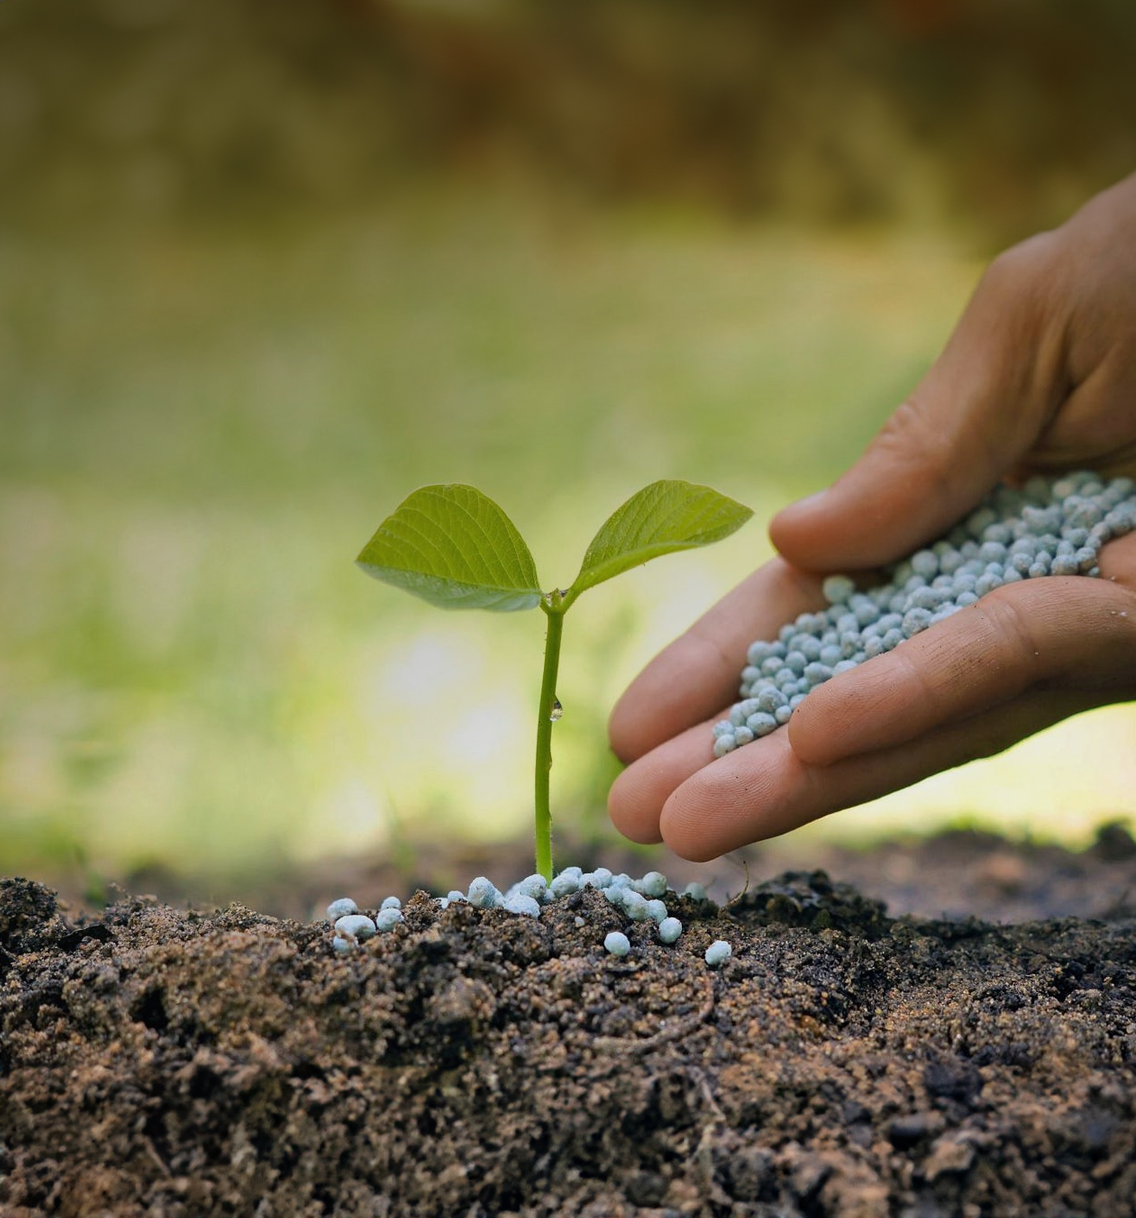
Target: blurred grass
(203,427)
(244,309)
(993,119)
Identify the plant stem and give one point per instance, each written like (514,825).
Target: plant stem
(554,611)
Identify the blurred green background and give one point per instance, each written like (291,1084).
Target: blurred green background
(265,270)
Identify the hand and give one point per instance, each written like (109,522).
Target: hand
(1039,376)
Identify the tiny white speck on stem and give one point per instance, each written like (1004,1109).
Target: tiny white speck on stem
(557,710)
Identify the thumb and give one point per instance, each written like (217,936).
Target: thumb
(968,423)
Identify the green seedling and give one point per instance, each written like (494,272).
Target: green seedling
(454,547)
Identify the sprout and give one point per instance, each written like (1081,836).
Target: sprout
(454,547)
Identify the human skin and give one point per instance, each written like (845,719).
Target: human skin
(1038,376)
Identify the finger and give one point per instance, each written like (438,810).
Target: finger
(635,801)
(1056,631)
(968,422)
(765,789)
(699,672)
(1094,426)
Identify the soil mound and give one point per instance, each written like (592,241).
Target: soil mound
(156,1061)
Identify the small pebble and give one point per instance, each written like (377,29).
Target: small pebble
(354,927)
(342,946)
(337,909)
(534,886)
(759,724)
(564,885)
(521,903)
(657,910)
(617,943)
(484,894)
(391,903)
(837,589)
(718,953)
(387,919)
(670,929)
(653,884)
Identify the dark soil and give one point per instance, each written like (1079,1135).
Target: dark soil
(157,1061)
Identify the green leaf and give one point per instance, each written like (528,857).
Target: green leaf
(661,518)
(454,547)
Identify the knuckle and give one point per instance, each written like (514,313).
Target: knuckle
(1007,642)
(708,653)
(1020,265)
(1011,623)
(915,442)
